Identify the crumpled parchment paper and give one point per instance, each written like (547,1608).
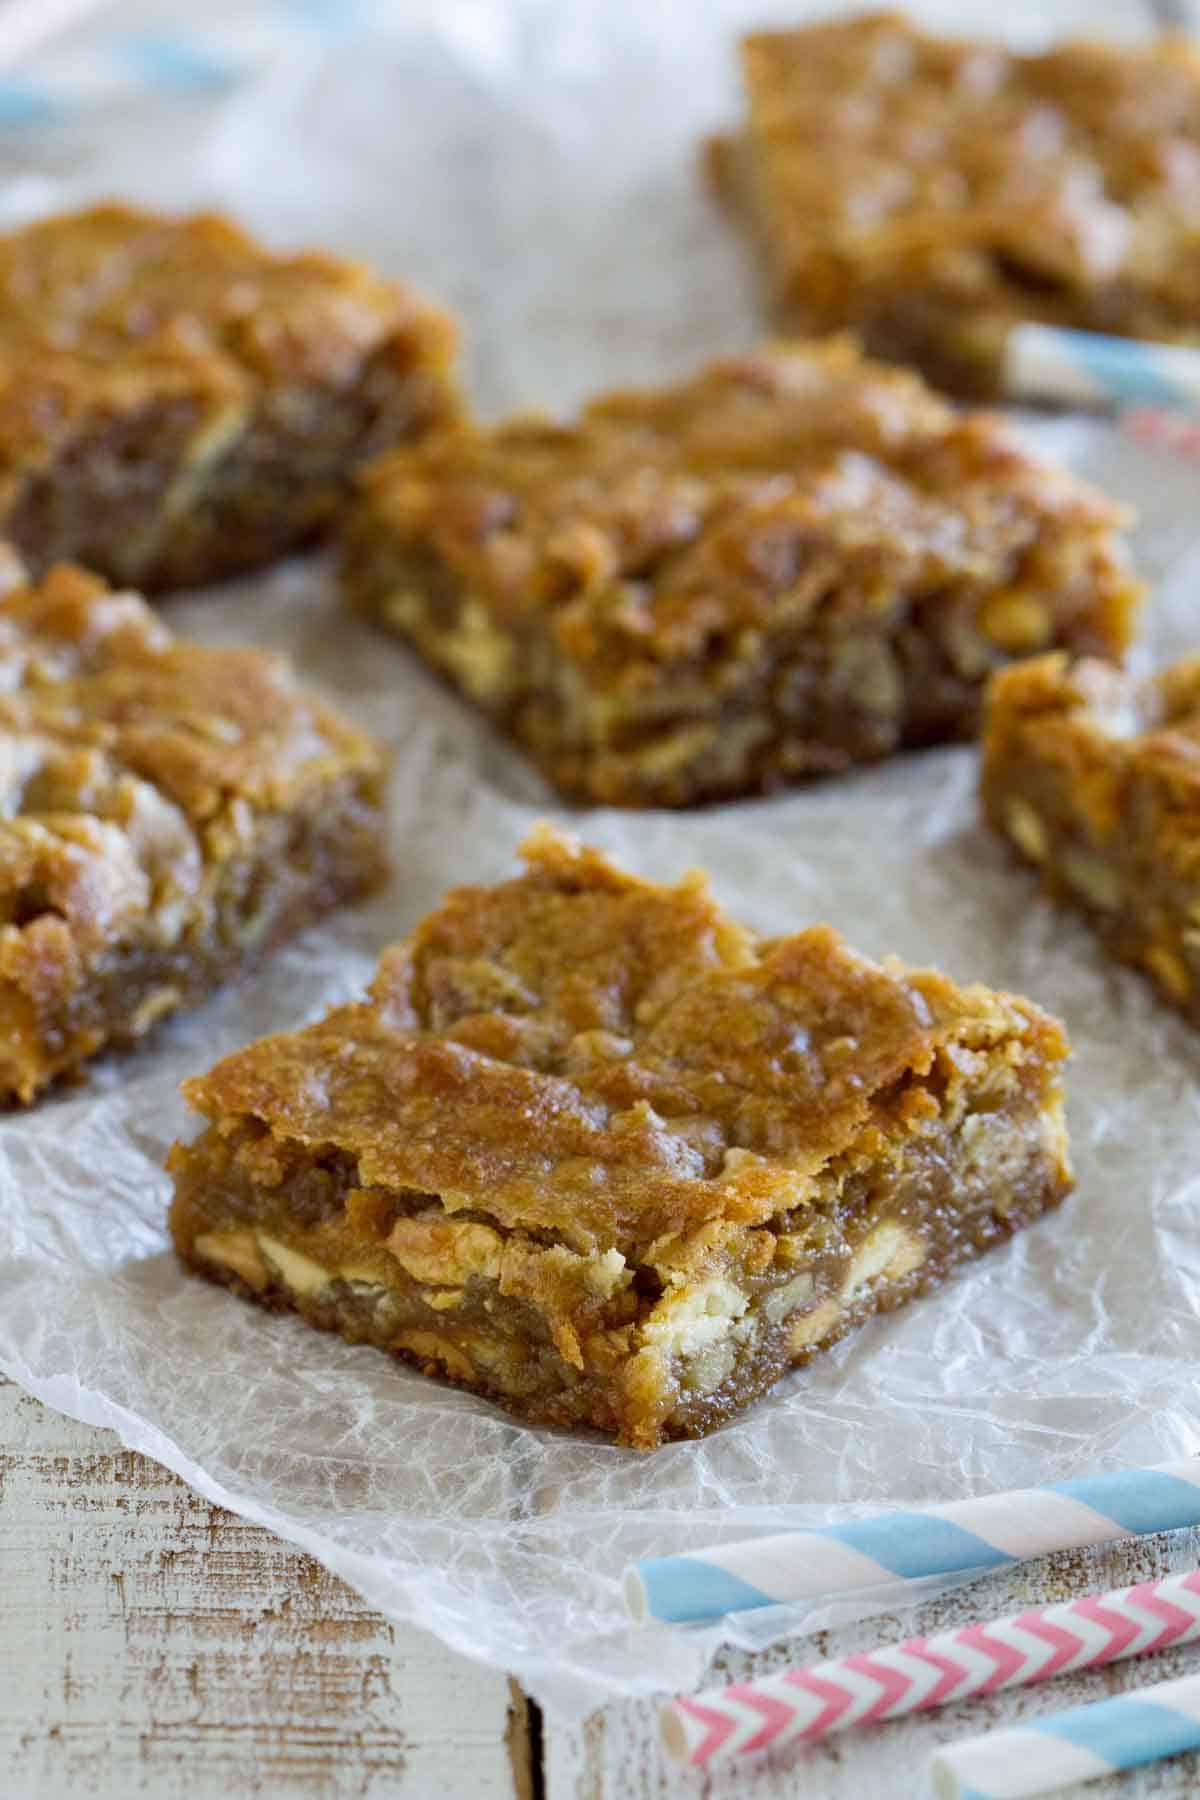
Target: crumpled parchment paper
(534,166)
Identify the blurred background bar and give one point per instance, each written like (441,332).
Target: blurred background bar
(60,58)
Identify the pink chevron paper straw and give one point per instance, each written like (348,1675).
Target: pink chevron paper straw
(1176,433)
(1154,389)
(801,1705)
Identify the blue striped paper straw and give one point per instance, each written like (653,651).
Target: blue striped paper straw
(965,1535)
(1083,1744)
(62,83)
(1084,368)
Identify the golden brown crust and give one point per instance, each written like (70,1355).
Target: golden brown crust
(592,1147)
(1094,776)
(185,348)
(931,192)
(146,784)
(794,560)
(584,1052)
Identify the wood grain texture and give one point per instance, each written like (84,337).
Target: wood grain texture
(153,1644)
(617,1753)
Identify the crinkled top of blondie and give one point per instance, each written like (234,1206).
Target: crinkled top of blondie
(113,307)
(1076,167)
(584,1053)
(801,475)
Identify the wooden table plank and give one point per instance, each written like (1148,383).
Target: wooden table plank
(155,1645)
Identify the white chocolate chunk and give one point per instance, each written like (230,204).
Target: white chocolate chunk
(236,1250)
(300,1273)
(443,1299)
(606,1274)
(786,1299)
(155,1006)
(1026,829)
(1096,880)
(705,1373)
(812,1326)
(481,657)
(888,1250)
(685,1321)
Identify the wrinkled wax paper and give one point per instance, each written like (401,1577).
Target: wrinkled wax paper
(534,167)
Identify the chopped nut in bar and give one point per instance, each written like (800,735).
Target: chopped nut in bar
(170,812)
(1094,777)
(930,193)
(794,561)
(593,1149)
(178,403)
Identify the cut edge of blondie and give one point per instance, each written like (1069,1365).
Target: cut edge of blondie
(1089,778)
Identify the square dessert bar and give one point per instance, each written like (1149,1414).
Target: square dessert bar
(169,813)
(793,561)
(177,402)
(931,193)
(1094,777)
(593,1149)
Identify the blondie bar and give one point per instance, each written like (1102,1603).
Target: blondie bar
(595,1150)
(1094,777)
(932,193)
(793,561)
(169,813)
(178,403)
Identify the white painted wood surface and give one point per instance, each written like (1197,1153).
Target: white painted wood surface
(153,1645)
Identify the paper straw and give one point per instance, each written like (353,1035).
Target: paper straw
(801,1705)
(118,66)
(898,1548)
(1080,1745)
(1177,433)
(1083,368)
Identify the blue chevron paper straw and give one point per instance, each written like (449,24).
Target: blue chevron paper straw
(1080,1745)
(1084,368)
(899,1547)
